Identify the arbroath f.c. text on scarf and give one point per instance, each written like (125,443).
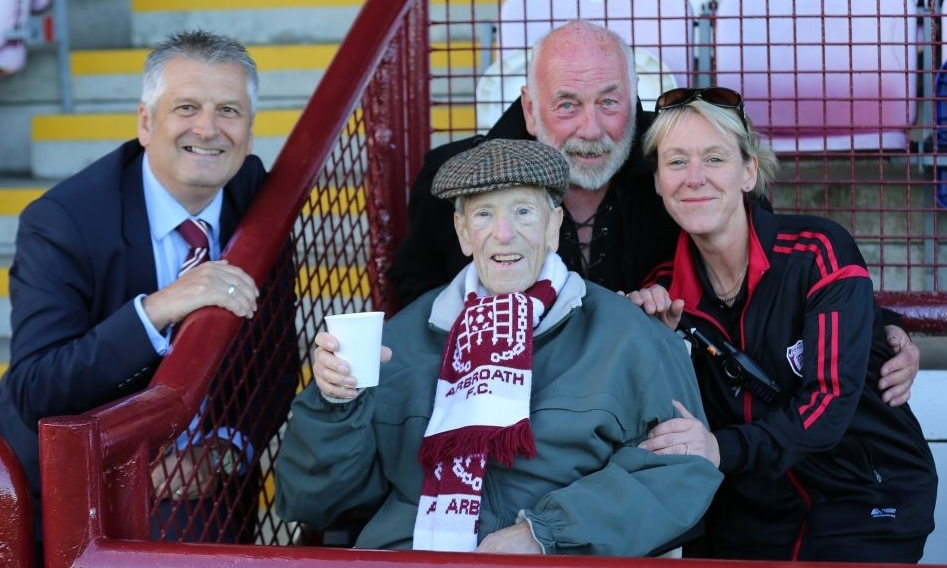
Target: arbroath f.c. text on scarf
(481,406)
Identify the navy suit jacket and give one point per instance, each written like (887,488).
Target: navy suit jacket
(83,253)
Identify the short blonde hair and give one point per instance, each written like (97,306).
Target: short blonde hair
(728,123)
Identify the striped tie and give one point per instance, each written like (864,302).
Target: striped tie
(195,234)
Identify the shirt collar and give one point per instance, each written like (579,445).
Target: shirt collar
(165,213)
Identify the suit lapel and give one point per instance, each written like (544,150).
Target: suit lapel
(229,214)
(141,278)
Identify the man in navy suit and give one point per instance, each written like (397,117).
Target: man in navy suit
(95,284)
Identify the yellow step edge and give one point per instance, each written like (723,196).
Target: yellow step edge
(345,282)
(454,55)
(329,201)
(322,201)
(335,201)
(268,58)
(123,126)
(197,5)
(16,198)
(4,281)
(268,491)
(3,369)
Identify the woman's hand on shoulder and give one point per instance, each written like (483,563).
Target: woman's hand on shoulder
(655,301)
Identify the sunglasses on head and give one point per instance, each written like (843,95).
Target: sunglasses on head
(717,96)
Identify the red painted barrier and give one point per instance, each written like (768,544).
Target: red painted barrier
(16,513)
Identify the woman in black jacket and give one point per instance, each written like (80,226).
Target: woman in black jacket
(788,346)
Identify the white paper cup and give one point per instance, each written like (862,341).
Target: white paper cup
(359,338)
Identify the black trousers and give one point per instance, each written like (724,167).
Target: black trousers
(228,515)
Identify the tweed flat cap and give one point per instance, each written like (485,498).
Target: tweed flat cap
(501,164)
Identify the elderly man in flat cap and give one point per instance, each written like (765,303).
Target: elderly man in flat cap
(509,414)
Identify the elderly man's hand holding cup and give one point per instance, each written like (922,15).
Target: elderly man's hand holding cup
(347,357)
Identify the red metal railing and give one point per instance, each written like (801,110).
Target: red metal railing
(335,199)
(16,512)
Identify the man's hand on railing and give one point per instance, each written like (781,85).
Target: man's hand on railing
(191,473)
(213,283)
(897,374)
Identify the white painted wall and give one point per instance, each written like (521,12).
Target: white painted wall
(929,402)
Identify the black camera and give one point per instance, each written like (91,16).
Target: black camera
(737,366)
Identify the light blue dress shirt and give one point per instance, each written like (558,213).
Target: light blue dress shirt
(170,250)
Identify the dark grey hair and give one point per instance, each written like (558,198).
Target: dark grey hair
(200,46)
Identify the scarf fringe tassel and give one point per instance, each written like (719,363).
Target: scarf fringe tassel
(500,444)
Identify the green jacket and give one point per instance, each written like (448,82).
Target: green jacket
(604,373)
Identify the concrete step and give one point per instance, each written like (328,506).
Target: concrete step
(288,21)
(293,42)
(288,75)
(62,144)
(107,83)
(113,76)
(15,194)
(4,355)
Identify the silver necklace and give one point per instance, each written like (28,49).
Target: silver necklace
(731,294)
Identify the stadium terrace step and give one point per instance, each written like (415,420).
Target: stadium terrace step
(286,21)
(291,65)
(288,73)
(14,196)
(62,144)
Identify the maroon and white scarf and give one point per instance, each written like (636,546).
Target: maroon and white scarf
(481,406)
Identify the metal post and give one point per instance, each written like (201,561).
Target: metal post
(486,34)
(925,119)
(702,77)
(61,15)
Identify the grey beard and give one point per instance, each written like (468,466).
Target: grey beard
(592,178)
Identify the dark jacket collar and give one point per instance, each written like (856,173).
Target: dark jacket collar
(686,282)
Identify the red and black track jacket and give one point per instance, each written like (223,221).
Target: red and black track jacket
(807,316)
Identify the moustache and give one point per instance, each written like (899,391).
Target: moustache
(589,147)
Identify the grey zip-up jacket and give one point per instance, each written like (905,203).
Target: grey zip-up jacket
(604,373)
